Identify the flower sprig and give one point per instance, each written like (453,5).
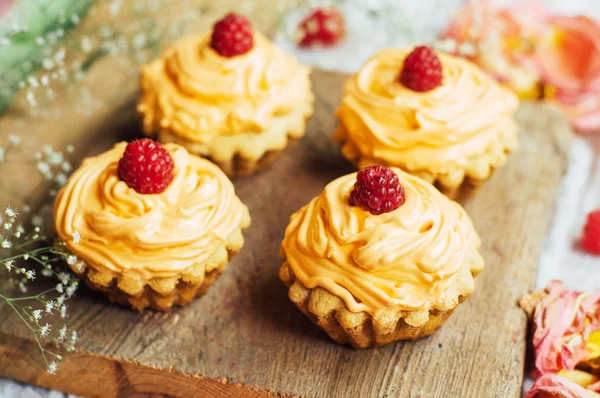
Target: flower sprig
(43,313)
(28,253)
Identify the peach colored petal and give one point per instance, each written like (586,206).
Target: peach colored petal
(569,54)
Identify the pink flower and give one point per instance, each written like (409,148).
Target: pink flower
(566,335)
(563,321)
(556,386)
(568,55)
(499,40)
(4,6)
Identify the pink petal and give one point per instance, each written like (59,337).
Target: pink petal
(555,386)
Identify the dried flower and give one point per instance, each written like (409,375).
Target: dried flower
(9,212)
(30,274)
(44,330)
(9,264)
(52,367)
(37,315)
(62,333)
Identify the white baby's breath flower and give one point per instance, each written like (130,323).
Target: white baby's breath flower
(60,301)
(7,226)
(76,237)
(44,330)
(9,265)
(14,139)
(43,167)
(26,208)
(6,244)
(71,259)
(52,367)
(70,149)
(47,272)
(73,337)
(37,315)
(64,278)
(37,220)
(47,149)
(60,288)
(22,287)
(79,266)
(49,306)
(63,311)
(62,333)
(71,289)
(66,167)
(61,179)
(17,234)
(1,154)
(55,158)
(10,212)
(30,274)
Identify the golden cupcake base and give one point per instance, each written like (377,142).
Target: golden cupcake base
(289,128)
(161,294)
(360,329)
(460,180)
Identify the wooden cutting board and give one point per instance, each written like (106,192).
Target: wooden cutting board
(246,339)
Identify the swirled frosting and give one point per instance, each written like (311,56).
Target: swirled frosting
(149,236)
(409,259)
(438,130)
(193,92)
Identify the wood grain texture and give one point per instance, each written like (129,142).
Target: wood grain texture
(246,331)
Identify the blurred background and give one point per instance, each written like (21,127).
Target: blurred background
(67,66)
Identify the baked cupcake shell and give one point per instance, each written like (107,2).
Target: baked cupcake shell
(463,180)
(239,164)
(361,330)
(161,294)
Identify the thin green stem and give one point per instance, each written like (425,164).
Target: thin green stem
(30,253)
(37,340)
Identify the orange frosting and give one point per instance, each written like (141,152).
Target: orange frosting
(412,258)
(197,94)
(438,130)
(148,235)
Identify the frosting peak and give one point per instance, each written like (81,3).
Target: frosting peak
(407,259)
(157,235)
(437,130)
(194,92)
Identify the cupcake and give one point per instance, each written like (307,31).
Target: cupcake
(379,256)
(434,115)
(152,226)
(230,96)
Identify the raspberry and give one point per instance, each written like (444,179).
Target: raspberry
(590,242)
(324,26)
(232,35)
(377,190)
(422,70)
(146,166)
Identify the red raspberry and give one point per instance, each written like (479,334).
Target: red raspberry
(422,70)
(232,35)
(377,190)
(323,26)
(590,242)
(146,166)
